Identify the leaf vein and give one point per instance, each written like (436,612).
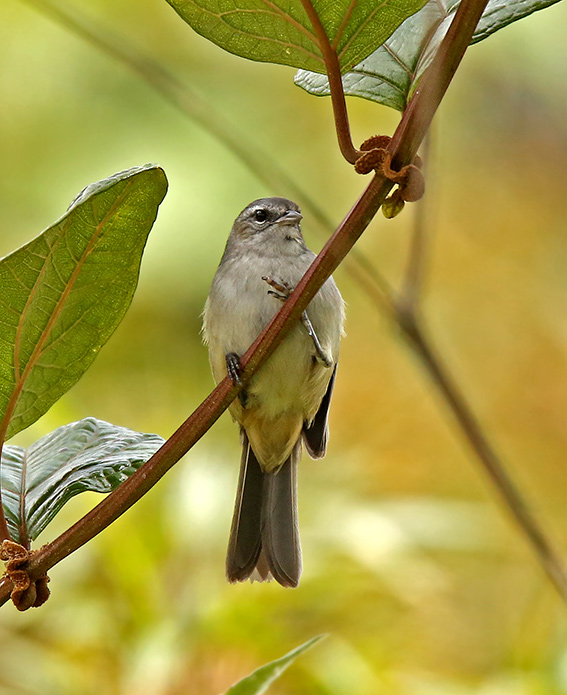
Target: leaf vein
(382,78)
(361,28)
(37,352)
(344,24)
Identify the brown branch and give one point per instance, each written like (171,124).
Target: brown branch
(545,550)
(332,65)
(117,502)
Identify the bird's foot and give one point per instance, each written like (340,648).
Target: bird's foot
(234,370)
(280,288)
(320,355)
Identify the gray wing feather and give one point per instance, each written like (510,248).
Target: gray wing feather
(316,434)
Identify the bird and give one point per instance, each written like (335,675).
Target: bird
(285,404)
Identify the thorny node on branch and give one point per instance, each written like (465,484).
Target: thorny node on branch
(411,184)
(26,593)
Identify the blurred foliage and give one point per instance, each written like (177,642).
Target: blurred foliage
(261,679)
(410,566)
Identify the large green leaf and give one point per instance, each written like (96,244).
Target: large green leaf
(261,679)
(390,75)
(279,31)
(86,455)
(63,294)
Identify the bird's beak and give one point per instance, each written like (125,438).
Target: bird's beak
(290,218)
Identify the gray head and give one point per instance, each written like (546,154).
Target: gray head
(267,217)
(268,226)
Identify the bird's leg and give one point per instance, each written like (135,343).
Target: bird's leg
(281,290)
(321,356)
(234,370)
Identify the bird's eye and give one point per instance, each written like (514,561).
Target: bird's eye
(260,215)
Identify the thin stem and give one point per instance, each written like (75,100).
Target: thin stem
(546,552)
(403,310)
(332,65)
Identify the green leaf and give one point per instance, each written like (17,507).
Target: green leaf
(86,455)
(261,679)
(279,31)
(63,294)
(390,75)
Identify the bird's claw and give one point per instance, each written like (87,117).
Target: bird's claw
(234,370)
(280,288)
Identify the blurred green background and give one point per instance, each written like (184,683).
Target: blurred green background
(411,565)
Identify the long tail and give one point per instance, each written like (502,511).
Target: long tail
(264,535)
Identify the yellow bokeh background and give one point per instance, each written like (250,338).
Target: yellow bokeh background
(411,564)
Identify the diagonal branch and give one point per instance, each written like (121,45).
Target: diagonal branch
(545,550)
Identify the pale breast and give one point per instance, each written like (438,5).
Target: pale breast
(237,310)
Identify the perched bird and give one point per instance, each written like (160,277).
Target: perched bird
(287,401)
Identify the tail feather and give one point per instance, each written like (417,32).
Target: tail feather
(280,531)
(246,531)
(264,537)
